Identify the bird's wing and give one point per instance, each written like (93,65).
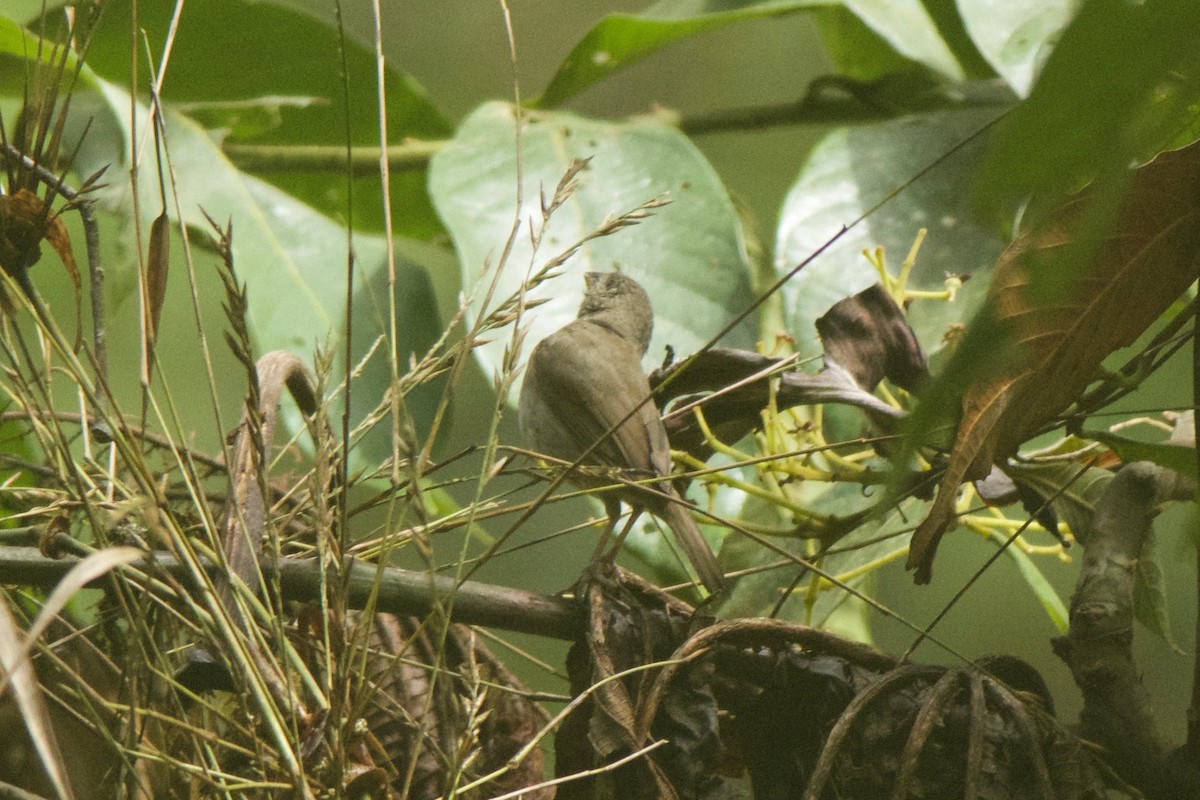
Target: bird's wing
(589,379)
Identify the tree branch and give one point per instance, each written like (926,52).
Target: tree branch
(393,590)
(412,155)
(832,101)
(1117,711)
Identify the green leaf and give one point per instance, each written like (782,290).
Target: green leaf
(266,51)
(243,119)
(1172,456)
(1042,589)
(1076,504)
(947,15)
(1132,72)
(908,28)
(20,55)
(26,11)
(418,326)
(291,257)
(688,254)
(1075,490)
(858,52)
(1072,489)
(854,558)
(846,175)
(1016,36)
(871,38)
(620,40)
(1150,604)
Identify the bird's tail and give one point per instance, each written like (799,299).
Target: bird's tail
(694,547)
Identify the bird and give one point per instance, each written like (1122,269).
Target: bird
(584,391)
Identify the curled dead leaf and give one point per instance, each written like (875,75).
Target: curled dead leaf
(866,339)
(870,337)
(23,218)
(25,221)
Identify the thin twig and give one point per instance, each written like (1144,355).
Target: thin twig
(146,435)
(414,154)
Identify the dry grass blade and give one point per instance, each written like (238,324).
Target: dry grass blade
(33,707)
(1145,260)
(83,573)
(18,672)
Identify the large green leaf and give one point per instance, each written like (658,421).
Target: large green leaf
(871,38)
(288,65)
(418,326)
(854,559)
(291,256)
(20,54)
(619,40)
(24,11)
(857,51)
(688,254)
(849,172)
(1038,584)
(1176,457)
(1122,85)
(1071,488)
(1015,36)
(1151,606)
(947,15)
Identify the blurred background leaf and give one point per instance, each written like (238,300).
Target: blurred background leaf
(1015,37)
(688,255)
(851,171)
(235,51)
(1122,84)
(867,39)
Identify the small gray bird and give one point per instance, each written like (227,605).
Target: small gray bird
(586,378)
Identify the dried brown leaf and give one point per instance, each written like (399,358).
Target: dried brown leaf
(246,524)
(1149,255)
(869,336)
(22,226)
(157,263)
(25,220)
(56,234)
(866,339)
(154,287)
